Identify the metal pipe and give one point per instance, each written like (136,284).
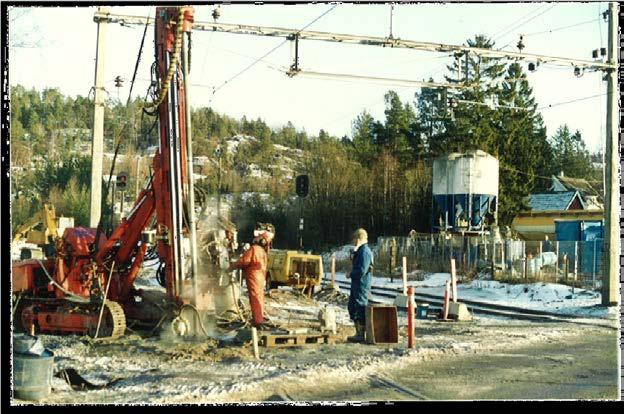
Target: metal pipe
(189,161)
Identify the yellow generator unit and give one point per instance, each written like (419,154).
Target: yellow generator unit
(293,268)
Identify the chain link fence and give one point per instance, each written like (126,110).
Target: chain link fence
(577,263)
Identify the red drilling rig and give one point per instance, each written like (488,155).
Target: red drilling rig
(88,288)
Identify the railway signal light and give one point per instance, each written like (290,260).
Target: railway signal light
(122,180)
(302,183)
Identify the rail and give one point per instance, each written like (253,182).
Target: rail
(484,308)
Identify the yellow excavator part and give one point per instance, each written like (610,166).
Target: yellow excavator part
(41,229)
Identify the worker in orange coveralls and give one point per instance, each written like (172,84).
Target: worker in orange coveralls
(254,264)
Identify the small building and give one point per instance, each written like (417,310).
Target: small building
(534,225)
(556,201)
(591,192)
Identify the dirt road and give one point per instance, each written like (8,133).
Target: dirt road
(580,368)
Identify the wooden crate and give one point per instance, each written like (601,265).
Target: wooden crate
(381,324)
(284,340)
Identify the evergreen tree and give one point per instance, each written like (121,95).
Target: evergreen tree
(471,126)
(522,146)
(571,155)
(363,140)
(398,126)
(432,110)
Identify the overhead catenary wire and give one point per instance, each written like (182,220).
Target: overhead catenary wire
(507,26)
(524,23)
(516,24)
(560,28)
(267,54)
(571,101)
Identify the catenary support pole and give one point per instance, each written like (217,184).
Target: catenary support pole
(612,203)
(97,141)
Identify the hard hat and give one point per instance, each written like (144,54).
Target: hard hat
(260,234)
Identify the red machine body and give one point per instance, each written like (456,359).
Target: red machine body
(88,285)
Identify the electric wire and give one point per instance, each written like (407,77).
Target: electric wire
(524,23)
(571,101)
(518,20)
(560,28)
(136,67)
(266,54)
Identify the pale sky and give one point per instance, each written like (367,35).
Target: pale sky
(65,58)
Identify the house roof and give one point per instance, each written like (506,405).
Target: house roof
(585,188)
(557,200)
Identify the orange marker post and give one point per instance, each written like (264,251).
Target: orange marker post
(410,317)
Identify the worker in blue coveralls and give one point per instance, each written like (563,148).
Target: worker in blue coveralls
(361,278)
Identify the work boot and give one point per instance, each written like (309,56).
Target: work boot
(360,331)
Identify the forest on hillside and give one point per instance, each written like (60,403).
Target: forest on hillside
(378,178)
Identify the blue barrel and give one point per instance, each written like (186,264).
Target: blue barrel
(32,375)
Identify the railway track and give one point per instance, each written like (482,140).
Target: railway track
(484,308)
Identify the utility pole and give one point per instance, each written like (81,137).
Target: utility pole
(98,124)
(610,281)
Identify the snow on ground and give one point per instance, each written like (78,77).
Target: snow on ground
(157,371)
(551,297)
(344,253)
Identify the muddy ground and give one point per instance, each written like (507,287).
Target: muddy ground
(487,358)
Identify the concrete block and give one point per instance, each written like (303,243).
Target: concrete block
(400,301)
(459,311)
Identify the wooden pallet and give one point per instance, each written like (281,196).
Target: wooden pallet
(284,340)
